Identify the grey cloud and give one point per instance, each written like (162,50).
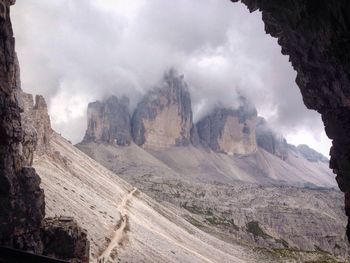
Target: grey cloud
(75,51)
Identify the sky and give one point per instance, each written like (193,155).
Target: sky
(77,51)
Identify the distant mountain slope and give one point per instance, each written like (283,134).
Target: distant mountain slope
(198,165)
(230,174)
(75,185)
(240,193)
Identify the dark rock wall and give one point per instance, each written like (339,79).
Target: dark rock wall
(19,219)
(109,121)
(22,205)
(64,239)
(316,36)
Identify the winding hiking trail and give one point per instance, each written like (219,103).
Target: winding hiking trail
(119,232)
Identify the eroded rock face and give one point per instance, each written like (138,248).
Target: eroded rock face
(271,141)
(109,122)
(64,239)
(22,200)
(22,206)
(36,123)
(164,117)
(230,131)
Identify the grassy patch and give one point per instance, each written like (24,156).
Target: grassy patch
(194,221)
(219,221)
(297,255)
(197,209)
(283,242)
(254,228)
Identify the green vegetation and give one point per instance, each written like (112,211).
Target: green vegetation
(324,259)
(196,209)
(194,221)
(283,242)
(282,254)
(217,221)
(254,228)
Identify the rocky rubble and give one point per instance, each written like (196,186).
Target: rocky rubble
(257,199)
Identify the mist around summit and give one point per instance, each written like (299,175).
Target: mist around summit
(126,48)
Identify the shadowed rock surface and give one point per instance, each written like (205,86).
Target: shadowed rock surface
(60,237)
(109,121)
(230,131)
(164,117)
(22,200)
(64,239)
(311,154)
(270,141)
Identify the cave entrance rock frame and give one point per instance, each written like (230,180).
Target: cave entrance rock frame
(316,36)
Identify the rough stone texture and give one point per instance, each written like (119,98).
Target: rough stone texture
(22,205)
(316,36)
(109,122)
(270,141)
(36,123)
(230,131)
(195,140)
(164,117)
(21,198)
(64,239)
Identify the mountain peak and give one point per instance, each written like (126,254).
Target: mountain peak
(109,121)
(230,130)
(164,117)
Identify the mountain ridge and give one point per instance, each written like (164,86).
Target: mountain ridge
(166,111)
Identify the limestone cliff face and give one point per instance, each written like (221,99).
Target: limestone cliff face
(109,121)
(230,131)
(37,124)
(164,117)
(270,141)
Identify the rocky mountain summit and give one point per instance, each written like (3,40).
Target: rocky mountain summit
(271,141)
(109,121)
(230,131)
(164,116)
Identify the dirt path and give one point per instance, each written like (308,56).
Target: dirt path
(119,233)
